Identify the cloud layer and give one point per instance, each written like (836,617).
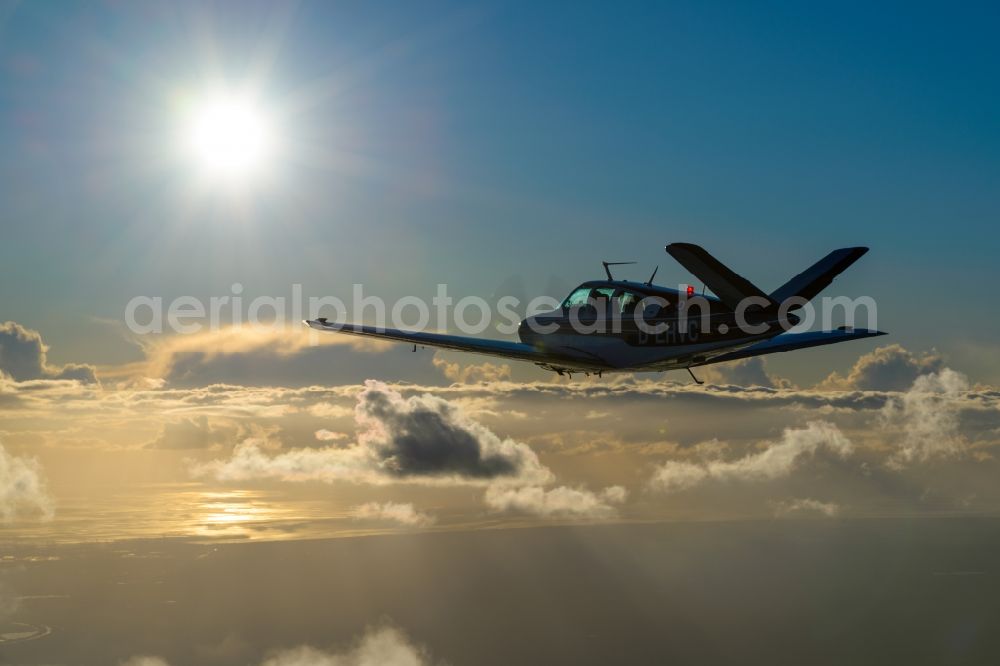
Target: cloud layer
(534,449)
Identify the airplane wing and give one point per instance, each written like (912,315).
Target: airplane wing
(727,285)
(790,341)
(558,356)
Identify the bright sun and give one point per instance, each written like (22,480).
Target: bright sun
(229,136)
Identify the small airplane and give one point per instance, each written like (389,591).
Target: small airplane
(623,326)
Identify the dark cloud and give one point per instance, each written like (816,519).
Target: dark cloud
(22,357)
(428,436)
(421,438)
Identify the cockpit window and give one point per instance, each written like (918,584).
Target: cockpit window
(582,295)
(627,300)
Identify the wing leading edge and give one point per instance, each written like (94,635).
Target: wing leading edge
(573,358)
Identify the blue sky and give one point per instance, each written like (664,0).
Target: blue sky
(443,142)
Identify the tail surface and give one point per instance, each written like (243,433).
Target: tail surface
(724,283)
(818,277)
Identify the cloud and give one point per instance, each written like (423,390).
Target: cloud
(628,398)
(472,373)
(778,459)
(250,461)
(645,412)
(379,646)
(797,506)
(559,502)
(889,368)
(384,646)
(23,357)
(422,438)
(328,410)
(744,372)
(394,512)
(426,435)
(927,414)
(22,488)
(616,425)
(270,356)
(188,433)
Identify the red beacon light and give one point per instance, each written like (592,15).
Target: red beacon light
(690,290)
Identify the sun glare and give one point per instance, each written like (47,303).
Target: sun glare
(229,136)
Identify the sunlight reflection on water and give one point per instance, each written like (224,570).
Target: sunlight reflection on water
(185,511)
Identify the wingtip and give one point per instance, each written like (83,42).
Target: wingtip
(320,324)
(863,332)
(681,246)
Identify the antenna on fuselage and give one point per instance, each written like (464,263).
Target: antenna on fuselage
(613,263)
(649,282)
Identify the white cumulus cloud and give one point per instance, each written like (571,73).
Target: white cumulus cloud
(144,660)
(22,488)
(385,646)
(805,505)
(778,459)
(928,417)
(380,646)
(559,502)
(889,368)
(403,513)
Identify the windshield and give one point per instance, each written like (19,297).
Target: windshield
(581,295)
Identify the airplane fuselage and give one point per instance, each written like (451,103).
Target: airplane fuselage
(634,326)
